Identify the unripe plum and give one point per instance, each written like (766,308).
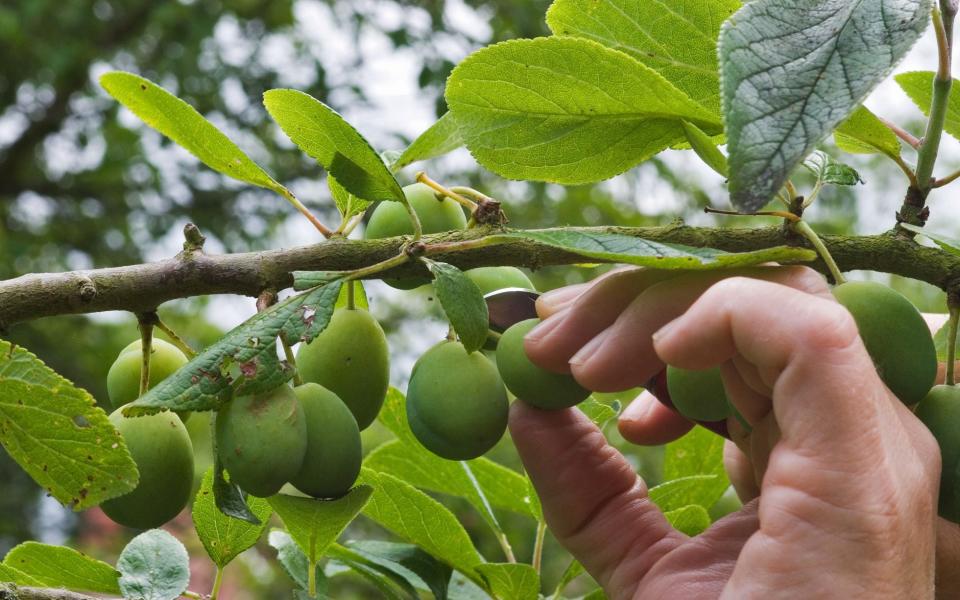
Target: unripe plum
(390,219)
(351,359)
(332,460)
(528,382)
(261,440)
(161,448)
(895,335)
(456,403)
(123,379)
(491,279)
(698,395)
(940,412)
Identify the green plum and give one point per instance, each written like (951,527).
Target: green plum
(123,379)
(351,359)
(332,460)
(262,439)
(940,412)
(895,335)
(698,395)
(528,382)
(161,448)
(436,214)
(456,403)
(491,279)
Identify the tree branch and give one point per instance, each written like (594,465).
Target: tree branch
(142,288)
(9,591)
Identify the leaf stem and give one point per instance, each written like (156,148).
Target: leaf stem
(312,579)
(537,559)
(414,220)
(292,199)
(954,308)
(383,265)
(905,168)
(291,359)
(175,339)
(145,322)
(449,193)
(947,180)
(927,155)
(351,297)
(910,139)
(801,227)
(189,594)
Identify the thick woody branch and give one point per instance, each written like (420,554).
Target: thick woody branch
(9,591)
(142,288)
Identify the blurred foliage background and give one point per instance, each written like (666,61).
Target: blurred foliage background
(84,184)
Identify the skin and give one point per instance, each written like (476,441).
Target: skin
(839,478)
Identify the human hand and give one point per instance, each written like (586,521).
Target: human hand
(847,476)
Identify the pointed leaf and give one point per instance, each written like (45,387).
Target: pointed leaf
(55,431)
(792,71)
(566,110)
(573,570)
(323,134)
(919,86)
(416,566)
(222,536)
(248,352)
(10,575)
(511,580)
(41,565)
(348,204)
(691,520)
(315,524)
(463,303)
(677,493)
(948,243)
(180,122)
(390,583)
(705,148)
(359,296)
(865,133)
(154,566)
(829,171)
(699,452)
(439,139)
(620,248)
(677,38)
(599,412)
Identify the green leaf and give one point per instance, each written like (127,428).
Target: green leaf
(315,524)
(463,303)
(677,38)
(293,560)
(793,71)
(348,204)
(305,280)
(439,139)
(566,110)
(677,493)
(419,519)
(699,452)
(180,122)
(413,564)
(389,585)
(919,86)
(864,133)
(222,536)
(154,566)
(61,567)
(359,296)
(10,575)
(407,459)
(705,148)
(573,570)
(511,580)
(55,431)
(247,353)
(323,134)
(829,171)
(940,342)
(691,520)
(950,244)
(620,248)
(599,412)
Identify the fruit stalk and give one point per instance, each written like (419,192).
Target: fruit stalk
(954,307)
(804,229)
(145,323)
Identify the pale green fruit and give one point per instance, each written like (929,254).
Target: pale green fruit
(123,379)
(331,463)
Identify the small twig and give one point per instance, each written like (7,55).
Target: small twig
(323,229)
(942,83)
(145,322)
(217,582)
(946,180)
(907,170)
(193,238)
(801,227)
(175,339)
(762,213)
(9,591)
(465,202)
(910,139)
(537,559)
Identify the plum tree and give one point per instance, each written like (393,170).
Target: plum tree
(261,439)
(436,214)
(491,279)
(895,335)
(456,403)
(530,383)
(161,448)
(698,395)
(351,359)
(940,412)
(331,463)
(123,378)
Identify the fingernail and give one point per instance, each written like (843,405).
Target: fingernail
(551,301)
(665,331)
(591,348)
(543,329)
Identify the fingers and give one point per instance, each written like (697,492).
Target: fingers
(741,473)
(948,560)
(648,422)
(593,501)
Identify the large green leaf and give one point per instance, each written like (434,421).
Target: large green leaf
(442,137)
(463,303)
(41,565)
(406,560)
(677,493)
(511,581)
(677,38)
(180,122)
(247,353)
(55,431)
(698,453)
(10,575)
(154,566)
(919,86)
(620,248)
(864,133)
(348,204)
(419,519)
(567,110)
(792,71)
(323,134)
(315,524)
(222,536)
